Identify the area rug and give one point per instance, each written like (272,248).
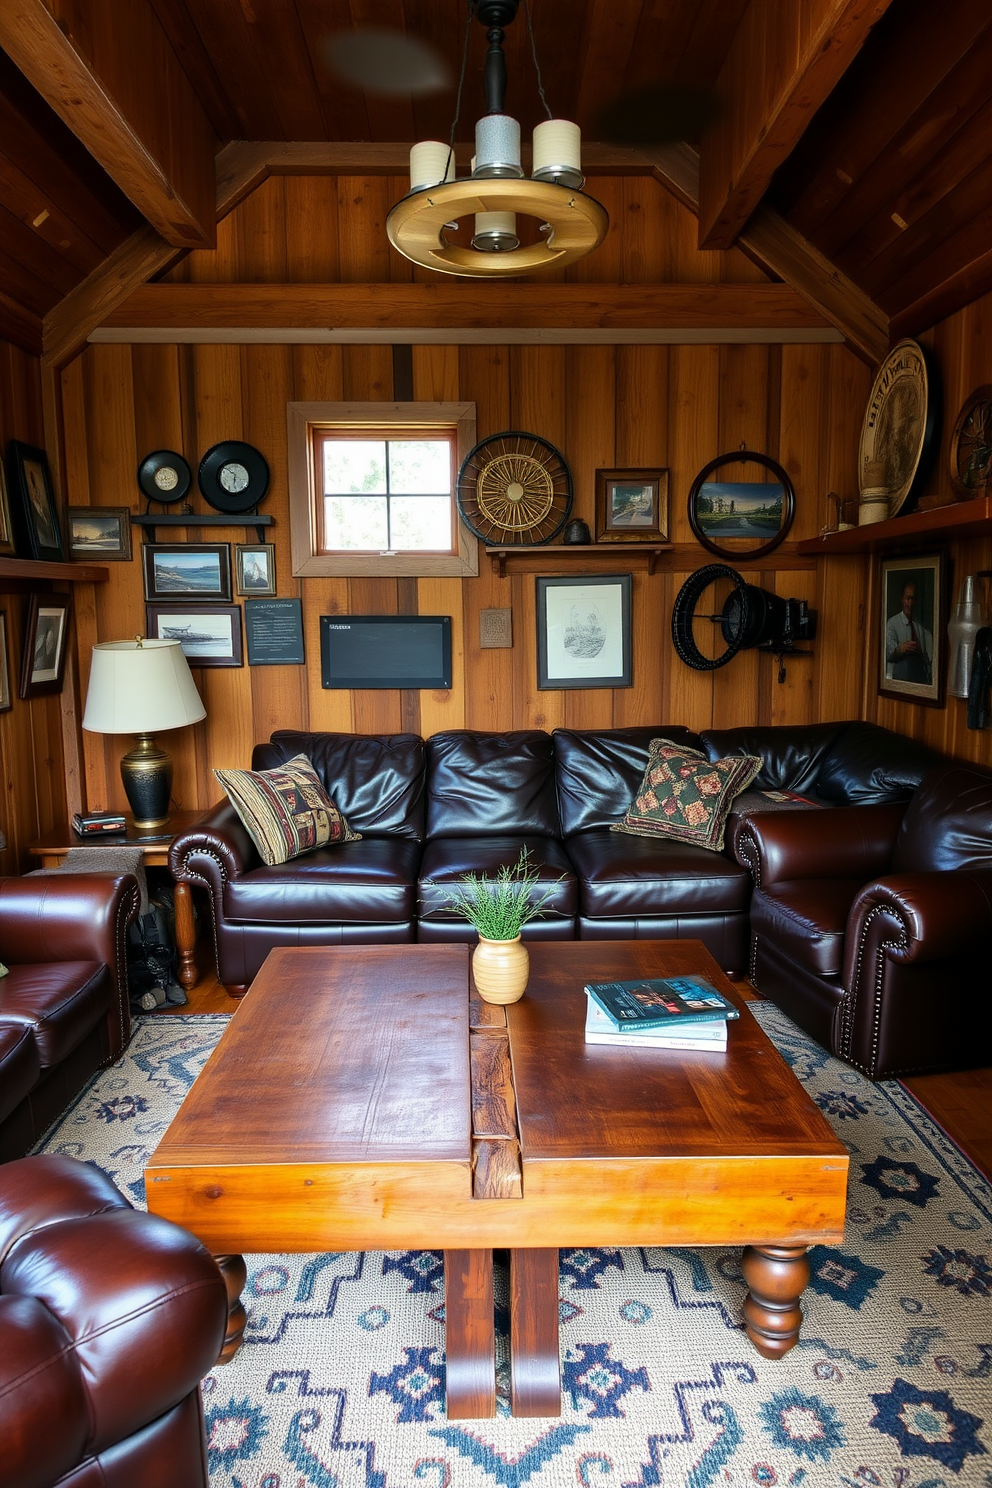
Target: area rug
(340,1383)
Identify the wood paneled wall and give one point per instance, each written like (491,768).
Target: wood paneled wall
(32,768)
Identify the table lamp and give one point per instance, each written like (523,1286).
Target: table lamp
(142,687)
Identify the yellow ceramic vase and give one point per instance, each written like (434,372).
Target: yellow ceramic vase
(501,969)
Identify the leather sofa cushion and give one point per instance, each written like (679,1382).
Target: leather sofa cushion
(599,770)
(375,780)
(870,765)
(793,754)
(20,1067)
(642,877)
(806,920)
(447,858)
(948,823)
(59,1001)
(372,881)
(491,783)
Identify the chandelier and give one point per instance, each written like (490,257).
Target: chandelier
(424,226)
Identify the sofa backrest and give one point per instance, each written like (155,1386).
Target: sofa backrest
(599,770)
(793,754)
(486,783)
(846,764)
(948,823)
(376,780)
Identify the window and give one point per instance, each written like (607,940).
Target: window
(372,488)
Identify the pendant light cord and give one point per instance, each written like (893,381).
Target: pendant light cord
(458,96)
(537,65)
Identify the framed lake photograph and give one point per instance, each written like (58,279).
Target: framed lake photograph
(45,641)
(100,532)
(912,622)
(210,635)
(201,570)
(255,568)
(631,505)
(33,504)
(741,505)
(584,632)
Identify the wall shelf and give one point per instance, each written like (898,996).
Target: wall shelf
(151,520)
(76,573)
(963,519)
(544,556)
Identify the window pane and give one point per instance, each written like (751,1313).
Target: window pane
(420,466)
(421,523)
(355,522)
(354,465)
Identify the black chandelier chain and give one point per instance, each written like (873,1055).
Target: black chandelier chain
(537,65)
(458,95)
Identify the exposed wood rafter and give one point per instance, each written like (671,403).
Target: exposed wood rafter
(783,63)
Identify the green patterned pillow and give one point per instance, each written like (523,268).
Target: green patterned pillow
(685,796)
(285,811)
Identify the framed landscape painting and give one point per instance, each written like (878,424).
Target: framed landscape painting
(201,570)
(210,635)
(101,532)
(631,505)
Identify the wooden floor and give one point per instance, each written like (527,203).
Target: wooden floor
(961,1103)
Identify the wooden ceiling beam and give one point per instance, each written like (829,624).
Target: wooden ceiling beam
(968,284)
(783,63)
(110,74)
(770,242)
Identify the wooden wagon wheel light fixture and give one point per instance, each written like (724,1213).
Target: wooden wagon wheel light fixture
(423,226)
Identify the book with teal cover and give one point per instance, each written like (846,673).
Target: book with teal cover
(659,1002)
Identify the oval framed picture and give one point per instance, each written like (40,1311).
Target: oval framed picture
(233,477)
(900,425)
(741,505)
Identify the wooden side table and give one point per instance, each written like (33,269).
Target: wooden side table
(155,844)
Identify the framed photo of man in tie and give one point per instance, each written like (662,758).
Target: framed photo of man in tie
(912,622)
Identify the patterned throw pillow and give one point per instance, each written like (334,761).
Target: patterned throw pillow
(286,811)
(685,796)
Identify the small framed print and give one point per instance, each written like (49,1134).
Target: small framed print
(584,632)
(631,505)
(5,698)
(201,570)
(6,528)
(102,532)
(255,568)
(45,642)
(34,504)
(210,635)
(912,622)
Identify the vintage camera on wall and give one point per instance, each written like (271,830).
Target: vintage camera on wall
(749,617)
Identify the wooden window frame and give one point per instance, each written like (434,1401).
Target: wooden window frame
(304,520)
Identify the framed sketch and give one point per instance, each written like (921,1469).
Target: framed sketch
(631,505)
(6,527)
(741,505)
(210,635)
(34,503)
(912,622)
(6,701)
(201,570)
(584,632)
(255,568)
(45,643)
(101,532)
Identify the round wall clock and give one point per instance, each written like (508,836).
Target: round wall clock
(900,424)
(514,489)
(164,476)
(233,477)
(971,445)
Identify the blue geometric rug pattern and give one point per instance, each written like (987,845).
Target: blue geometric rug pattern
(340,1383)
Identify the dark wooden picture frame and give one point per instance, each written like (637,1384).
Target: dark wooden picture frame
(912,627)
(167,565)
(632,505)
(46,644)
(725,532)
(207,641)
(254,562)
(7,546)
(109,539)
(6,698)
(584,631)
(36,521)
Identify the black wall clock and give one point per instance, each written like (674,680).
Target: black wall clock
(164,476)
(233,477)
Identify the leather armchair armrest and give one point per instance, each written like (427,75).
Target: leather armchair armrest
(66,917)
(850,842)
(214,849)
(938,915)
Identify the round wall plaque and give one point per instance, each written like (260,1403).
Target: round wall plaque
(164,476)
(899,429)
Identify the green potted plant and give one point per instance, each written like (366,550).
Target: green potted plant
(499,905)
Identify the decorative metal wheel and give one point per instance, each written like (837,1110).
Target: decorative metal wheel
(732,619)
(971,445)
(514,489)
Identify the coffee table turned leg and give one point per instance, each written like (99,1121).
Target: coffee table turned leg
(235,1274)
(185,935)
(776,1276)
(469,1334)
(535,1371)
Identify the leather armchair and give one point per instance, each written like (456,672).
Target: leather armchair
(871,926)
(109,1319)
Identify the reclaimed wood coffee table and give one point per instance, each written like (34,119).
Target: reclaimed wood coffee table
(363,1099)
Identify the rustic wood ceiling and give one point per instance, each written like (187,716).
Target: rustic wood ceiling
(891,180)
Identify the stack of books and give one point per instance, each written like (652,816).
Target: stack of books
(658,1013)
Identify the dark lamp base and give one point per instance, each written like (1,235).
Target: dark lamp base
(146,771)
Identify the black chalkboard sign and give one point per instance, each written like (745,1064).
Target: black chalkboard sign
(274,630)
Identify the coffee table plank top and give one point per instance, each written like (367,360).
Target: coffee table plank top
(334,1058)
